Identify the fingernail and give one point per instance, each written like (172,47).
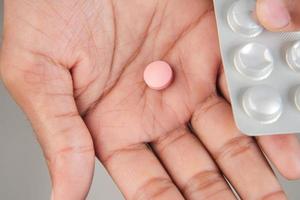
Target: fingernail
(276,13)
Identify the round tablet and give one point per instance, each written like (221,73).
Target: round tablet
(293,56)
(241,18)
(158,75)
(254,60)
(263,103)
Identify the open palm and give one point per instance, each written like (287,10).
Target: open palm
(76,68)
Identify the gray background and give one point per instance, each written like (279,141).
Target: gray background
(23,172)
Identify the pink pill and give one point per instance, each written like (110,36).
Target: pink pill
(158,75)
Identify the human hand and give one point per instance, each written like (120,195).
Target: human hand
(76,67)
(279,15)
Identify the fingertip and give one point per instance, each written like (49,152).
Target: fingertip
(284,152)
(273,15)
(291,169)
(291,176)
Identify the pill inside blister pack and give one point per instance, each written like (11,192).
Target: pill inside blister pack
(262,70)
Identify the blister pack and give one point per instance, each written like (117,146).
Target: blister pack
(262,70)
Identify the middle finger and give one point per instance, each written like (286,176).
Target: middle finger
(191,167)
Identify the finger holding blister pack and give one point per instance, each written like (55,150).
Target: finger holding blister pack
(262,70)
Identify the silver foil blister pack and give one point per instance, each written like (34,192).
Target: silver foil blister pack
(262,70)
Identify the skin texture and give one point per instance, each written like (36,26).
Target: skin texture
(76,69)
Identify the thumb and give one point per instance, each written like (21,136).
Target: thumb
(279,15)
(44,91)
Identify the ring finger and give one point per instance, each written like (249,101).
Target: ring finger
(237,155)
